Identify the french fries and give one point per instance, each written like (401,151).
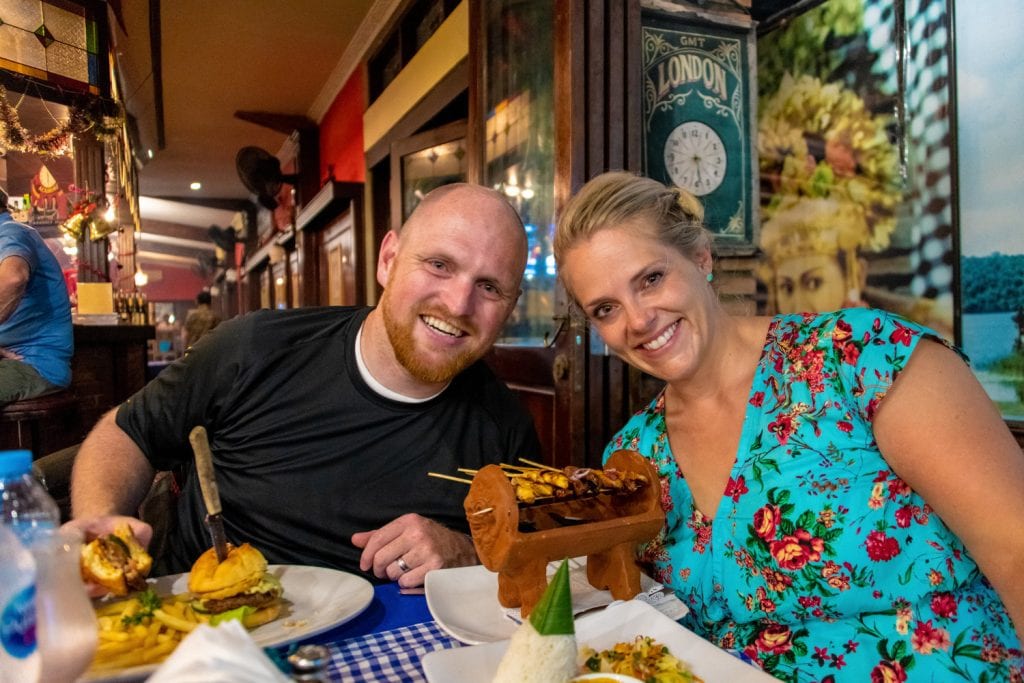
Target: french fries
(143,629)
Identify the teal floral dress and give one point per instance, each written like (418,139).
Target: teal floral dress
(821,564)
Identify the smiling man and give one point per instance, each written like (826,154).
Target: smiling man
(324,422)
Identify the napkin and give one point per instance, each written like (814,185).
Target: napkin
(585,597)
(225,653)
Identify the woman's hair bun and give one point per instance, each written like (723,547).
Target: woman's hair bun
(689,204)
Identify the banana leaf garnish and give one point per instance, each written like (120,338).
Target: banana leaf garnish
(552,615)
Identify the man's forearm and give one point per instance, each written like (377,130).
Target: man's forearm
(14,274)
(111,475)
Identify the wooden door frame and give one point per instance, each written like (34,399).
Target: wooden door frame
(333,200)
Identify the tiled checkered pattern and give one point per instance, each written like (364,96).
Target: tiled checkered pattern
(391,656)
(927,137)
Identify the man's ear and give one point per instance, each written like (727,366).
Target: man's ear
(386,257)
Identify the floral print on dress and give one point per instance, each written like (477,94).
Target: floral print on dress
(821,564)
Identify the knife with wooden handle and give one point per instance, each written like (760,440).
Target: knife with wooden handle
(208,485)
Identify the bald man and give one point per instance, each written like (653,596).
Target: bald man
(324,422)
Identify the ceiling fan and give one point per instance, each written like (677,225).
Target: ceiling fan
(260,172)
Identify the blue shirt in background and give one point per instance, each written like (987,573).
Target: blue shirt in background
(39,330)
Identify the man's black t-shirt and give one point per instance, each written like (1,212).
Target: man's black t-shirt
(306,454)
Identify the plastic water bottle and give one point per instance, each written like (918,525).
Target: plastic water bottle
(19,655)
(29,515)
(28,509)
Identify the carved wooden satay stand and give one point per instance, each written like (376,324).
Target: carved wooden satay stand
(518,541)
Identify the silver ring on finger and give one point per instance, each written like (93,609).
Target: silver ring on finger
(402,565)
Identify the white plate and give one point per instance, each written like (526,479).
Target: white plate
(464,602)
(619,622)
(315,600)
(449,591)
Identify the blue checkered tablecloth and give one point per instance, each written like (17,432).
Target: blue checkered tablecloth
(391,656)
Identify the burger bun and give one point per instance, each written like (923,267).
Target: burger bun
(241,580)
(116,561)
(242,569)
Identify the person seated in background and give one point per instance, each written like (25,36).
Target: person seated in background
(833,482)
(36,340)
(324,422)
(200,319)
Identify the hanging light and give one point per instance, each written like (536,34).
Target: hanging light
(70,245)
(141,279)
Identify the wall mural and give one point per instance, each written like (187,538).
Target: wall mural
(856,190)
(990,116)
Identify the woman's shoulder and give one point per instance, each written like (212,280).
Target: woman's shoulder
(643,427)
(861,324)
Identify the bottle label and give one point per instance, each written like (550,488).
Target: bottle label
(18,624)
(30,531)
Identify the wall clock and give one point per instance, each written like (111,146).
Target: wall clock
(699,116)
(695,157)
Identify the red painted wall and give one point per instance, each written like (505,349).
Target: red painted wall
(341,133)
(169,283)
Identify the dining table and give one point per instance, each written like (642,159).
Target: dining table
(385,642)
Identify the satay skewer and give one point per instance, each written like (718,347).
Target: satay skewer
(539,465)
(449,477)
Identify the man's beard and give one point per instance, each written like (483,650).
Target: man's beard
(401,338)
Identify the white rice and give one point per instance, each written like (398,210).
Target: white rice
(533,658)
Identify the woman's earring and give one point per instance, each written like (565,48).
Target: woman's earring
(711,276)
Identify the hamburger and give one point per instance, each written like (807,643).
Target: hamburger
(116,561)
(237,588)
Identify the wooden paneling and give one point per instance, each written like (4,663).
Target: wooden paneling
(336,208)
(109,365)
(597,95)
(1018,431)
(527,371)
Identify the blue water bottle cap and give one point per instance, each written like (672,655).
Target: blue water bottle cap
(15,463)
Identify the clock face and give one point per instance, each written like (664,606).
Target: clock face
(695,157)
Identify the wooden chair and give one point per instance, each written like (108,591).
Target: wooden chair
(41,424)
(158,509)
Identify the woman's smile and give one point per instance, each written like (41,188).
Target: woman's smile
(662,338)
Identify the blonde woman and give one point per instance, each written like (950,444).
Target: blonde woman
(841,496)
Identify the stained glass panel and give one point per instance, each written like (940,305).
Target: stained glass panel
(53,42)
(520,144)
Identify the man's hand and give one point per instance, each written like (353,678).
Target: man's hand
(420,543)
(93,527)
(9,355)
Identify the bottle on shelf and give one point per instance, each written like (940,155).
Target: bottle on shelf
(124,315)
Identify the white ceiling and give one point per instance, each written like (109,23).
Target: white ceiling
(215,59)
(168,211)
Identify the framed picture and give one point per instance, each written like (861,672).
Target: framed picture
(856,164)
(991,240)
(423,162)
(697,119)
